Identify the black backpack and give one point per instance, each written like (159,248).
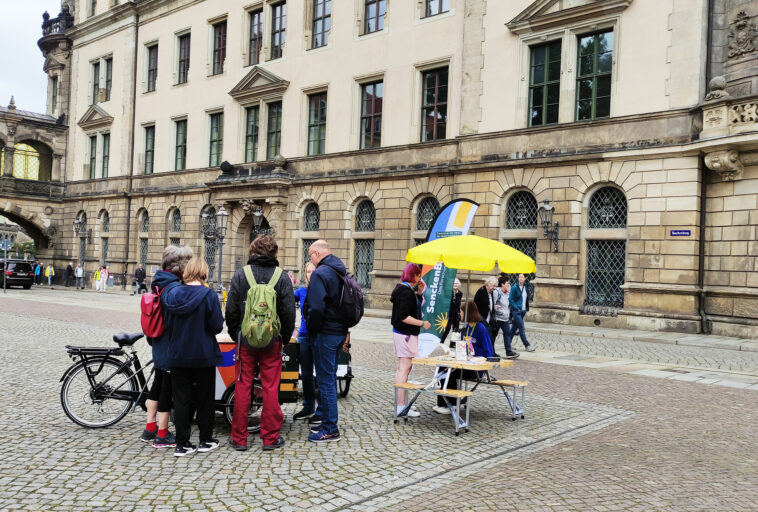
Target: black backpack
(351,299)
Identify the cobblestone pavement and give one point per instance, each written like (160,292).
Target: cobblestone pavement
(592,439)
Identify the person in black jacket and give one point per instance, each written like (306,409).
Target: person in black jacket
(69,273)
(328,334)
(192,316)
(139,280)
(485,303)
(406,325)
(268,360)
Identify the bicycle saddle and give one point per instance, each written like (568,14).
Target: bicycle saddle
(125,339)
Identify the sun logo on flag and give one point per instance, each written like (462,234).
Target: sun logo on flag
(440,323)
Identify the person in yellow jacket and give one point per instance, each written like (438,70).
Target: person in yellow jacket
(97,279)
(49,273)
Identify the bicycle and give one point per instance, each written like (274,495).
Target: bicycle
(99,389)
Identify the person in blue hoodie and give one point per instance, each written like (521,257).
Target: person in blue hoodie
(192,315)
(328,333)
(159,400)
(306,353)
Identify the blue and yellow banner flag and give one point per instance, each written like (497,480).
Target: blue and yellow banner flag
(453,219)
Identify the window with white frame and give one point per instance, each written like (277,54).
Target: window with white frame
(183,44)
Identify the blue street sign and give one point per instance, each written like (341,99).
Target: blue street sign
(681,232)
(6,245)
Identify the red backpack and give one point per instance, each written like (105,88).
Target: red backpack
(151,317)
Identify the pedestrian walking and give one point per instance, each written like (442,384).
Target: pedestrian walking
(69,273)
(406,325)
(79,275)
(104,274)
(160,398)
(503,315)
(306,353)
(262,269)
(96,278)
(38,273)
(49,274)
(139,280)
(193,317)
(484,298)
(519,302)
(328,333)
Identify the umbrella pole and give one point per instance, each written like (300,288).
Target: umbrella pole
(468,285)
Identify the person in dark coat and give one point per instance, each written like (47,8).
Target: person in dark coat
(268,360)
(69,273)
(519,302)
(139,279)
(192,316)
(485,303)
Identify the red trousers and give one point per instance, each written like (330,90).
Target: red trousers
(268,361)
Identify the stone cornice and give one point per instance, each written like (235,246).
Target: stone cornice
(102,21)
(537,17)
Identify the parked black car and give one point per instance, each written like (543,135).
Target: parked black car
(17,273)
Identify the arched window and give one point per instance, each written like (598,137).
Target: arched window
(311,217)
(208,227)
(144,228)
(427,209)
(607,209)
(365,216)
(81,226)
(176,221)
(105,222)
(32,161)
(521,211)
(606,258)
(144,222)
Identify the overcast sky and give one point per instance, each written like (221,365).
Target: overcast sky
(21,60)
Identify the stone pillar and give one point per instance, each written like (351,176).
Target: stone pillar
(8,164)
(56,172)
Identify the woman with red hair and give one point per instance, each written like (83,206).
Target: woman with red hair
(406,325)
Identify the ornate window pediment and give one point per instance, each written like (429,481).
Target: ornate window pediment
(259,85)
(544,14)
(95,117)
(51,63)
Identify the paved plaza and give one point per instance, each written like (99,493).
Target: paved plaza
(603,431)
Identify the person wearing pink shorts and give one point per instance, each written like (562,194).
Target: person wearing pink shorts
(406,325)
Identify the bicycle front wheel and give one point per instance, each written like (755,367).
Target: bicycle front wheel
(97,406)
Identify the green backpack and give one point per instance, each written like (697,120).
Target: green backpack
(261,324)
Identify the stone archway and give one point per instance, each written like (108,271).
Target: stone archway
(41,232)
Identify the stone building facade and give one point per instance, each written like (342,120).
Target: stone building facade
(354,121)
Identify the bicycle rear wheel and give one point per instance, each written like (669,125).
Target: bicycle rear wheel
(256,403)
(92,407)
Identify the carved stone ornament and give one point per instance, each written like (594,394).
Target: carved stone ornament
(716,89)
(248,206)
(727,163)
(279,162)
(744,113)
(741,36)
(714,118)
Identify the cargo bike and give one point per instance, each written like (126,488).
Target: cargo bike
(106,383)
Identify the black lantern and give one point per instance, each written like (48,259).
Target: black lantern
(550,230)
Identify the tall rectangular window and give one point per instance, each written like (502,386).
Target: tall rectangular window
(364,262)
(180,156)
(371,115)
(108,78)
(256,37)
(184,59)
(217,139)
(544,83)
(278,24)
(95,81)
(251,134)
(152,67)
(593,78)
(106,153)
(322,22)
(219,47)
(149,149)
(54,94)
(374,16)
(316,123)
(274,132)
(435,7)
(92,7)
(434,105)
(92,156)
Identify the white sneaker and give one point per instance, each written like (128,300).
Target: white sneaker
(441,410)
(411,412)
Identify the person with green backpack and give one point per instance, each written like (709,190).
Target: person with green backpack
(260,316)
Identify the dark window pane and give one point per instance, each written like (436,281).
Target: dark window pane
(585,89)
(551,113)
(604,85)
(537,96)
(584,110)
(604,62)
(553,93)
(554,71)
(586,63)
(535,116)
(603,108)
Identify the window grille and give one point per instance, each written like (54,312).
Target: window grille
(209,253)
(365,216)
(176,220)
(311,217)
(418,241)
(364,261)
(144,223)
(306,246)
(104,253)
(143,251)
(25,162)
(82,249)
(105,223)
(427,210)
(521,212)
(209,221)
(529,247)
(175,242)
(607,209)
(606,260)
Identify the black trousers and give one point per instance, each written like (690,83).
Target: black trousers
(161,390)
(193,387)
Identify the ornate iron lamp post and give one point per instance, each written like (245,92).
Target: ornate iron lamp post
(217,232)
(550,230)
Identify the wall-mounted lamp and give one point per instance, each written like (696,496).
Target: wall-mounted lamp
(546,212)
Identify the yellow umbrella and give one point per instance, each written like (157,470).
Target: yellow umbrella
(471,252)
